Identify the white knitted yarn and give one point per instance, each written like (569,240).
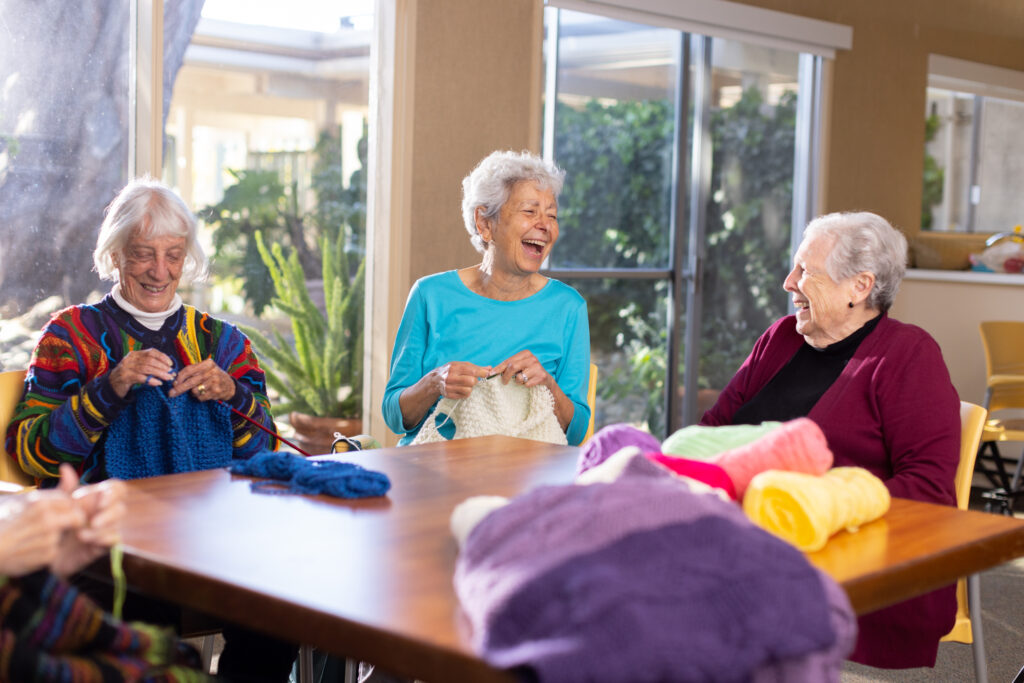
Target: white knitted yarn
(495,408)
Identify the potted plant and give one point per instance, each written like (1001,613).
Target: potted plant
(318,373)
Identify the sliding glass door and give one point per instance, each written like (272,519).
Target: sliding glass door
(688,161)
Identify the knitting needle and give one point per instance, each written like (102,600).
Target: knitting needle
(250,420)
(268,431)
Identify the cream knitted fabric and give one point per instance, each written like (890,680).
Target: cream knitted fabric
(495,408)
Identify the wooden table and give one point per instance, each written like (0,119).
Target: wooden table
(372,579)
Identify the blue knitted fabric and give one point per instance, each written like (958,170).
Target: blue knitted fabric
(162,435)
(294,474)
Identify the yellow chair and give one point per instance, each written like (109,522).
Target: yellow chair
(591,401)
(1003,342)
(967,627)
(12,388)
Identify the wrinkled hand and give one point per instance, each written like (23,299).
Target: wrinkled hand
(147,366)
(525,369)
(456,380)
(32,528)
(205,380)
(102,508)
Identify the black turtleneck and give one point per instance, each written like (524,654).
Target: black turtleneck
(796,388)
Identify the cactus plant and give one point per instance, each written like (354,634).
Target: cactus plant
(320,371)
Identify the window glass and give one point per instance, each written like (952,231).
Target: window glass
(613,130)
(615,135)
(628,344)
(750,208)
(267,136)
(63,154)
(973,156)
(614,126)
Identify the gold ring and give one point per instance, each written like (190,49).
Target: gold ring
(201,389)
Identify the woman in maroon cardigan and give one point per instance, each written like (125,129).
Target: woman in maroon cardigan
(878,388)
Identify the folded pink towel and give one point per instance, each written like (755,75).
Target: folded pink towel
(706,472)
(797,446)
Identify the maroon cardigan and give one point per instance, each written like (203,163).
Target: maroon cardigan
(894,412)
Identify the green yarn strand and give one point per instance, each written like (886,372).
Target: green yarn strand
(120,580)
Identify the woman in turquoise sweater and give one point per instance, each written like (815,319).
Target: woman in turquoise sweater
(501,316)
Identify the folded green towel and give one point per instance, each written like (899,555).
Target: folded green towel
(698,442)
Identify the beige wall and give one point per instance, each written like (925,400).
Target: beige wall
(951,312)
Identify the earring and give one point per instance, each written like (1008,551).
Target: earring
(850,304)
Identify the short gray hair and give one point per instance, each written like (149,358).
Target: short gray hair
(864,242)
(152,208)
(490,184)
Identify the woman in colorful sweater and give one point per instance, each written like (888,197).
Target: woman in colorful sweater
(141,384)
(92,360)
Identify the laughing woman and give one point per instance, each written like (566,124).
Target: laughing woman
(501,316)
(878,388)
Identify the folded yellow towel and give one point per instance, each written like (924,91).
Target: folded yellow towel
(806,510)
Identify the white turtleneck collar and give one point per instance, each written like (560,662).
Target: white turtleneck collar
(152,321)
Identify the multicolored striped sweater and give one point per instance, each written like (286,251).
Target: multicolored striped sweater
(51,632)
(69,402)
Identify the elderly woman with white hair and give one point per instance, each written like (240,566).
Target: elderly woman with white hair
(93,359)
(141,384)
(500,317)
(878,388)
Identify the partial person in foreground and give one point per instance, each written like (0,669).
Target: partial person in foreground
(141,384)
(878,388)
(500,318)
(48,630)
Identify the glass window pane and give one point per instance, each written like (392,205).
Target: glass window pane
(267,134)
(63,156)
(947,159)
(613,136)
(749,212)
(628,345)
(1001,205)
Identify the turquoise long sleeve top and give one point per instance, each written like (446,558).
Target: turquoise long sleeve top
(445,321)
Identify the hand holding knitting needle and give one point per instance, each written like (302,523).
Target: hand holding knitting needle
(147,366)
(206,381)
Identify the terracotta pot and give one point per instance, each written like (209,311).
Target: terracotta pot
(316,434)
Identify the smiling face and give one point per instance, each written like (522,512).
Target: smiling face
(524,231)
(822,304)
(149,269)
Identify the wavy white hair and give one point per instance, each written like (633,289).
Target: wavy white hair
(490,184)
(154,210)
(863,242)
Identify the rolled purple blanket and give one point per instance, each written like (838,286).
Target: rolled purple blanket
(642,580)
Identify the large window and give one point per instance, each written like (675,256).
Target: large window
(974,154)
(261,126)
(684,187)
(64,151)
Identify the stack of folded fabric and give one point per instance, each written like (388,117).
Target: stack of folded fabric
(639,576)
(806,510)
(780,471)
